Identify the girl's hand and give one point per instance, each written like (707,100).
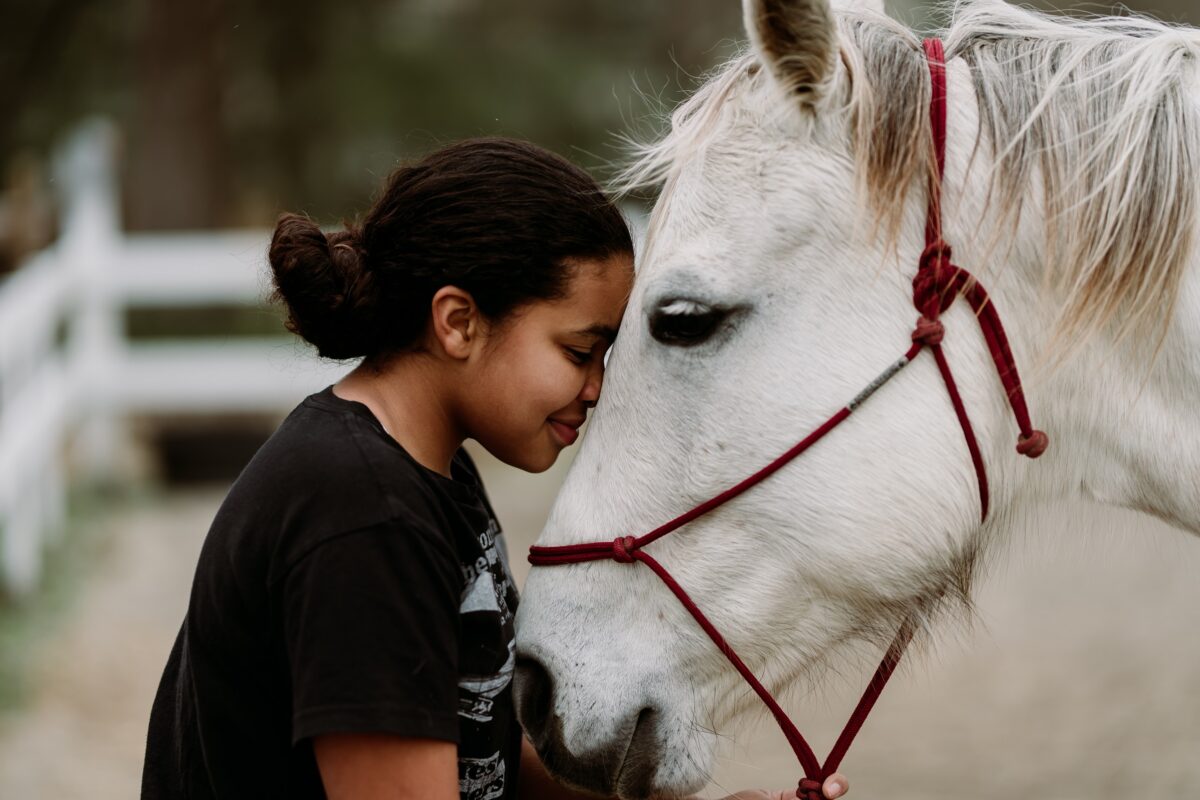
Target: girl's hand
(835,786)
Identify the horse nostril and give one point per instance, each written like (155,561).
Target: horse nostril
(533,693)
(641,756)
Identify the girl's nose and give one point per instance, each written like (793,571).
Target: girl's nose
(590,392)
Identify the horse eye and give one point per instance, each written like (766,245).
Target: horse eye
(685,322)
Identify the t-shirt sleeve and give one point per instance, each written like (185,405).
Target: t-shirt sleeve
(371,628)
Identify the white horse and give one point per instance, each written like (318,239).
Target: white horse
(775,283)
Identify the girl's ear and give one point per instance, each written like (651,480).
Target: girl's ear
(457,323)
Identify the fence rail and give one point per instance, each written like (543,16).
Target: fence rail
(69,375)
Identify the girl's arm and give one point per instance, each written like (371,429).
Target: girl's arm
(366,766)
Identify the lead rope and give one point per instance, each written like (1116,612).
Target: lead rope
(937,283)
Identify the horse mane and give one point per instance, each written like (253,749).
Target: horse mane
(1099,112)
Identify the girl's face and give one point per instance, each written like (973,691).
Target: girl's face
(540,371)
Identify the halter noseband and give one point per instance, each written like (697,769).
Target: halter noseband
(937,283)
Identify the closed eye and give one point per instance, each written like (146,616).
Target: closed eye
(684,323)
(579,356)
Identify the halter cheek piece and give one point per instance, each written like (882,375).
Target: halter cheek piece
(937,283)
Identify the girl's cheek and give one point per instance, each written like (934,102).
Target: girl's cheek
(568,383)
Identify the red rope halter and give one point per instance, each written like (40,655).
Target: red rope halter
(937,283)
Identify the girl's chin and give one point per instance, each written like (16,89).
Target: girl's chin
(537,458)
(537,466)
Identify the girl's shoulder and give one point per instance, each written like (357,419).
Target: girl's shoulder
(331,468)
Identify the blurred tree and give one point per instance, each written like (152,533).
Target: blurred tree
(233,111)
(59,60)
(177,169)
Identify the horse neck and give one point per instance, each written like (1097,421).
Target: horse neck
(1127,422)
(1124,418)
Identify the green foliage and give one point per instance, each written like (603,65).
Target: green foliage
(307,105)
(257,106)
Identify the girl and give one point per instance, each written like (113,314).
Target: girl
(350,628)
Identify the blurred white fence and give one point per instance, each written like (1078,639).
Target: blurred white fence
(68,375)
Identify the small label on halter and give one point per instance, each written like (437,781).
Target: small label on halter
(883,378)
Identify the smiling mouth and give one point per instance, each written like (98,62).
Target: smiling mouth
(565,432)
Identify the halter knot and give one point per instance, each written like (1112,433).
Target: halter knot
(623,547)
(937,254)
(934,282)
(928,331)
(1033,445)
(809,790)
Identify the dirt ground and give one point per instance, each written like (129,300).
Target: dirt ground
(1081,679)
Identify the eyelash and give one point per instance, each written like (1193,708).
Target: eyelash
(580,357)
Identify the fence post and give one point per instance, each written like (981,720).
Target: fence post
(89,245)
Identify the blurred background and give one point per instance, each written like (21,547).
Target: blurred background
(146,149)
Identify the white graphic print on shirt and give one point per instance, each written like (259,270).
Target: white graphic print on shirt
(481,778)
(476,694)
(487,661)
(482,592)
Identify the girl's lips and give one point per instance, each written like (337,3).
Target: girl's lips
(564,432)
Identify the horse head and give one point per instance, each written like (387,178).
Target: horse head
(775,282)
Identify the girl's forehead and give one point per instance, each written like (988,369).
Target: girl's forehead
(595,298)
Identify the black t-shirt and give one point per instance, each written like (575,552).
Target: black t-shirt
(343,587)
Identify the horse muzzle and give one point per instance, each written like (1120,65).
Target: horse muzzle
(613,756)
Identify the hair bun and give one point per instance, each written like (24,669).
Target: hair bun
(326,285)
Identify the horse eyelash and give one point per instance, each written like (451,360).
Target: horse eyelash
(684,308)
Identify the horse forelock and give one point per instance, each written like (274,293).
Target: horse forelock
(1101,113)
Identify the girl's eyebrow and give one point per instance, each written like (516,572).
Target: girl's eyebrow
(605,332)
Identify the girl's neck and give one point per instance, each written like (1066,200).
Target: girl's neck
(409,398)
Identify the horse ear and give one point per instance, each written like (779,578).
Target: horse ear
(797,41)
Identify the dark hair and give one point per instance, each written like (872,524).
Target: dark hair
(502,219)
